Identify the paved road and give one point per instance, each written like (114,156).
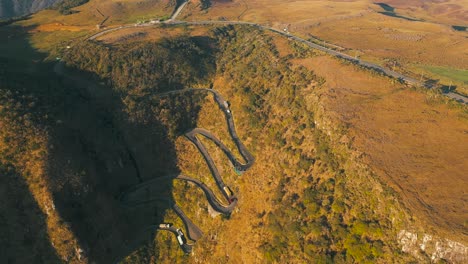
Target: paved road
(148,233)
(142,194)
(151,23)
(224,106)
(193,232)
(187,248)
(132,197)
(458,97)
(177,11)
(389,72)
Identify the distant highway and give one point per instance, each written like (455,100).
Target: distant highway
(173,21)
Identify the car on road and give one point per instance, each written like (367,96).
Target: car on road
(180,237)
(165,225)
(228,191)
(227,105)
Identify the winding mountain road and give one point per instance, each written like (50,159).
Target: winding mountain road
(143,193)
(187,248)
(132,197)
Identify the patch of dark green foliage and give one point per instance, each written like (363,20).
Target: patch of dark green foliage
(65,7)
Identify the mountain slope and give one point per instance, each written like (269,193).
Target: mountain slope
(14,8)
(311,196)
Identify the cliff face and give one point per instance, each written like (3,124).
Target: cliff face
(14,8)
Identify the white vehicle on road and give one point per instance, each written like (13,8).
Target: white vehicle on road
(226,105)
(228,191)
(180,237)
(165,225)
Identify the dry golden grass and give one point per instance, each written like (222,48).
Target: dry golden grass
(50,31)
(354,25)
(375,35)
(119,12)
(58,27)
(361,30)
(137,34)
(413,143)
(275,11)
(447,12)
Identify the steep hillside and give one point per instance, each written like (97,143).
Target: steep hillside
(69,146)
(14,8)
(312,195)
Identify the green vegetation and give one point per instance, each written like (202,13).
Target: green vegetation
(444,77)
(65,7)
(323,213)
(138,72)
(457,75)
(205,4)
(319,222)
(147,67)
(28,102)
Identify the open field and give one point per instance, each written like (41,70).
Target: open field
(450,12)
(447,12)
(151,33)
(449,76)
(413,144)
(49,31)
(395,39)
(360,28)
(458,75)
(96,11)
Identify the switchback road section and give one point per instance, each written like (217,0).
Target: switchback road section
(150,191)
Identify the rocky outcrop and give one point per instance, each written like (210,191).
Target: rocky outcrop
(436,248)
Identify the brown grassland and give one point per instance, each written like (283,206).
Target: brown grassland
(151,34)
(356,27)
(119,12)
(411,141)
(359,28)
